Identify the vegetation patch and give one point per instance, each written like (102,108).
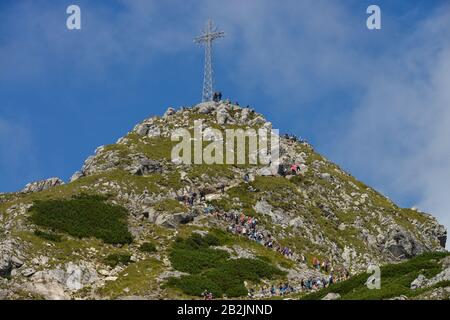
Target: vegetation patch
(148,247)
(395,280)
(83,216)
(115,259)
(48,236)
(169,205)
(211,269)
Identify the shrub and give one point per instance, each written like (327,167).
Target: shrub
(48,236)
(115,259)
(148,247)
(211,269)
(395,280)
(83,216)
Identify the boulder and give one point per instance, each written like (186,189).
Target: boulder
(206,107)
(77,175)
(419,282)
(170,111)
(42,185)
(332,296)
(145,167)
(223,117)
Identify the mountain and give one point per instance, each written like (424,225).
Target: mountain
(121,228)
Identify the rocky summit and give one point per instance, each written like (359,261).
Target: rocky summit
(133,224)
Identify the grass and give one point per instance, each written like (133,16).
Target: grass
(211,269)
(83,217)
(48,236)
(169,205)
(114,259)
(148,247)
(136,279)
(395,280)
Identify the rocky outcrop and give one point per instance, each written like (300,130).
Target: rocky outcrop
(444,276)
(42,185)
(57,284)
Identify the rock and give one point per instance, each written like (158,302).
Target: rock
(72,278)
(223,117)
(265,171)
(263,207)
(206,107)
(42,185)
(325,176)
(16,262)
(332,296)
(49,290)
(28,272)
(145,167)
(402,297)
(402,244)
(111,278)
(419,282)
(77,175)
(170,111)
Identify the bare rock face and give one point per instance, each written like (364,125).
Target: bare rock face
(170,111)
(332,296)
(42,185)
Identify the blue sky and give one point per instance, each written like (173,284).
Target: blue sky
(375,102)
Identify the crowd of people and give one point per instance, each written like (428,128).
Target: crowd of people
(247,226)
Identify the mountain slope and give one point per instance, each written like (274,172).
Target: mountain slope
(323,212)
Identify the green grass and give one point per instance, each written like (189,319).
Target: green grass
(211,269)
(169,205)
(148,247)
(395,280)
(83,217)
(136,279)
(48,236)
(114,259)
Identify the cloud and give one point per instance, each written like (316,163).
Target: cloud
(35,42)
(393,131)
(398,136)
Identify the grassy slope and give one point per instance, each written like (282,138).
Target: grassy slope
(395,280)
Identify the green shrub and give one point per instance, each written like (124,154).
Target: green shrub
(115,259)
(48,236)
(83,216)
(148,247)
(211,269)
(395,280)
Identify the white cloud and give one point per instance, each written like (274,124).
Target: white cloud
(394,134)
(398,136)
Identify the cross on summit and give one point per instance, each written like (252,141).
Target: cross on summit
(209,34)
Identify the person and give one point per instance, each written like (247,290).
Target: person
(222,188)
(246,178)
(294,169)
(202,195)
(217,96)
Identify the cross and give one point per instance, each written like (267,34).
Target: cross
(209,34)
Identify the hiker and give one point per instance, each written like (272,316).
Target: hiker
(222,188)
(294,169)
(246,178)
(217,96)
(272,290)
(202,195)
